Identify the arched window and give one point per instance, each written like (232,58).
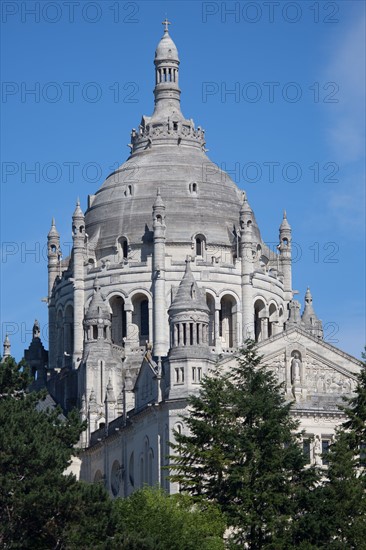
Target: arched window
(199,247)
(193,188)
(60,339)
(118,329)
(144,312)
(122,248)
(150,467)
(273,318)
(140,317)
(116,478)
(131,469)
(142,477)
(259,310)
(211,319)
(98,477)
(228,321)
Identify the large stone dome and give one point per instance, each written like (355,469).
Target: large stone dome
(199,198)
(167,152)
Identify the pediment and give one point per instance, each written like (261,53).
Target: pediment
(309,369)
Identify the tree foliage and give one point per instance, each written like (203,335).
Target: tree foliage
(241,453)
(39,503)
(337,516)
(151,520)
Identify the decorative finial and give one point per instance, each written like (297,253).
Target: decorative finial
(96,283)
(36,331)
(78,202)
(166,23)
(158,192)
(308,296)
(284,215)
(53,222)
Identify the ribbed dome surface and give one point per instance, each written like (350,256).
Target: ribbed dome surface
(212,210)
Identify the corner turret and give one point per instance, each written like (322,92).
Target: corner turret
(246,253)
(53,255)
(78,237)
(6,348)
(284,248)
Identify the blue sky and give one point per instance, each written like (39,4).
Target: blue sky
(278,87)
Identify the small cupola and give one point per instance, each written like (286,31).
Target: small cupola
(189,314)
(97,320)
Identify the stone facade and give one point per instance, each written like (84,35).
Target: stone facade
(168,275)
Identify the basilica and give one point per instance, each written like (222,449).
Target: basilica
(167,277)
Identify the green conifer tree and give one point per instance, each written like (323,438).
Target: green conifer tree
(242,453)
(336,519)
(41,507)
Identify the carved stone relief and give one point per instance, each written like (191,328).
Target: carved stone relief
(322,379)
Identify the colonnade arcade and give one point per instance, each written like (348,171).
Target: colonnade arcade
(268,319)
(131,321)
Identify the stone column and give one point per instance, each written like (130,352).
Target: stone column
(78,235)
(264,328)
(217,342)
(246,241)
(160,318)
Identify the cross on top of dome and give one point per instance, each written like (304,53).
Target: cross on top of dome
(166,23)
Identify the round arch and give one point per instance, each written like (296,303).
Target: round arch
(228,319)
(260,315)
(141,316)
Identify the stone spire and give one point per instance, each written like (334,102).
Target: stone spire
(53,231)
(6,352)
(109,393)
(78,213)
(309,319)
(109,405)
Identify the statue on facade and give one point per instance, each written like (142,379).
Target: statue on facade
(296,369)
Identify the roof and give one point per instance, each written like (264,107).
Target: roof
(189,296)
